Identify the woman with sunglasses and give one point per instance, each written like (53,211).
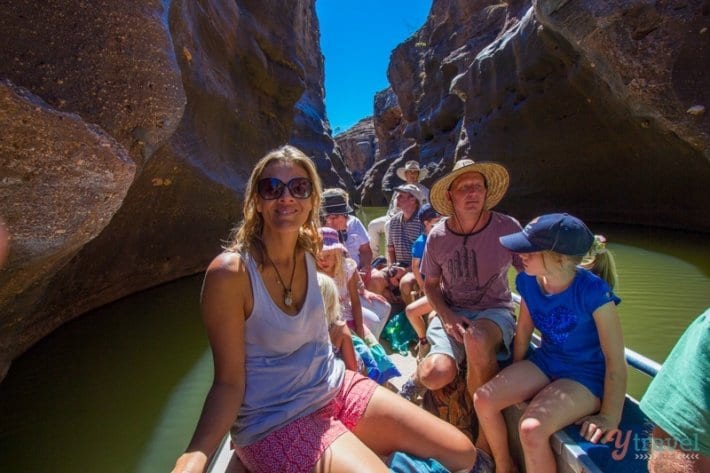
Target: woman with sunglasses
(290,404)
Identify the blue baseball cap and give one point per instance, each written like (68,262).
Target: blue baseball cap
(561,233)
(427,212)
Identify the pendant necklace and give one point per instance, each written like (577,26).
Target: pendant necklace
(288,300)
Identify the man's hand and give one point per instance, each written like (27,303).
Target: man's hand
(454,324)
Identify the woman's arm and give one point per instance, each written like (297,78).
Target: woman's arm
(602,425)
(355,304)
(347,350)
(224,309)
(523,333)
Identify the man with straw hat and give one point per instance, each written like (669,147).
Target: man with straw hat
(410,173)
(466,277)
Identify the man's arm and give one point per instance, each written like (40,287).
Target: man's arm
(391,255)
(365,257)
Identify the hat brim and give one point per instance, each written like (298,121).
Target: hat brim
(423,172)
(496,176)
(518,243)
(336,209)
(335,246)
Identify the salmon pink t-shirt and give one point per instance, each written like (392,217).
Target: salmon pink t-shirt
(473,268)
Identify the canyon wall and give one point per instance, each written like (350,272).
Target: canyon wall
(129,131)
(596,108)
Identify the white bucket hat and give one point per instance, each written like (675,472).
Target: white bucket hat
(411,166)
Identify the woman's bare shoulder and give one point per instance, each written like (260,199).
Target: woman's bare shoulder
(227,266)
(227,283)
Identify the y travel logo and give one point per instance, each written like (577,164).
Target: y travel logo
(641,444)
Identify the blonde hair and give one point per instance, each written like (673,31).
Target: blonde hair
(331,299)
(601,262)
(246,237)
(598,260)
(339,273)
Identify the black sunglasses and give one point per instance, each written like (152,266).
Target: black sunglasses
(271,188)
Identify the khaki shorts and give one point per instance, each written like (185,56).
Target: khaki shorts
(442,343)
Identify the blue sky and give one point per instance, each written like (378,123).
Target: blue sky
(357,38)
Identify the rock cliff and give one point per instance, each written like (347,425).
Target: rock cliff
(358,146)
(389,130)
(596,108)
(129,129)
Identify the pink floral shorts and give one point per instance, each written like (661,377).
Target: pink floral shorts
(296,447)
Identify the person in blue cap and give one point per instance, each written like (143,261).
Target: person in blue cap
(578,374)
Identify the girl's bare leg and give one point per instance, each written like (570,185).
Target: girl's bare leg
(558,405)
(415,314)
(391,424)
(516,383)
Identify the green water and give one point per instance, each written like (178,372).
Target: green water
(120,389)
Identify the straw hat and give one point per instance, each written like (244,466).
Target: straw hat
(496,176)
(411,166)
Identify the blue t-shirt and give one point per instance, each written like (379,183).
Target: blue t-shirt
(565,321)
(418,246)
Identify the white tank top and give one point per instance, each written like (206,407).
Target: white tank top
(290,367)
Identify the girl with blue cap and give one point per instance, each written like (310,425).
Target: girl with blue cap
(578,374)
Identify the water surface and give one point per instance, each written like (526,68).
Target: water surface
(120,389)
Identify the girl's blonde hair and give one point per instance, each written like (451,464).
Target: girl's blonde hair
(331,298)
(338,268)
(246,237)
(601,262)
(598,260)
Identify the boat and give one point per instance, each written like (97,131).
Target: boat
(628,452)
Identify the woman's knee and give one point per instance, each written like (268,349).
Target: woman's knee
(436,371)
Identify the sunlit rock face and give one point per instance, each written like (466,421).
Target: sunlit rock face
(129,130)
(389,127)
(596,108)
(358,146)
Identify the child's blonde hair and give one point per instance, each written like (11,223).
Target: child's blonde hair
(601,262)
(331,299)
(598,260)
(340,275)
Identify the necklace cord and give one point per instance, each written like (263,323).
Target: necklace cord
(288,300)
(465,234)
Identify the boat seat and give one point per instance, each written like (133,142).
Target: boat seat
(625,454)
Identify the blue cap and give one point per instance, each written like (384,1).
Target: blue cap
(427,212)
(561,233)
